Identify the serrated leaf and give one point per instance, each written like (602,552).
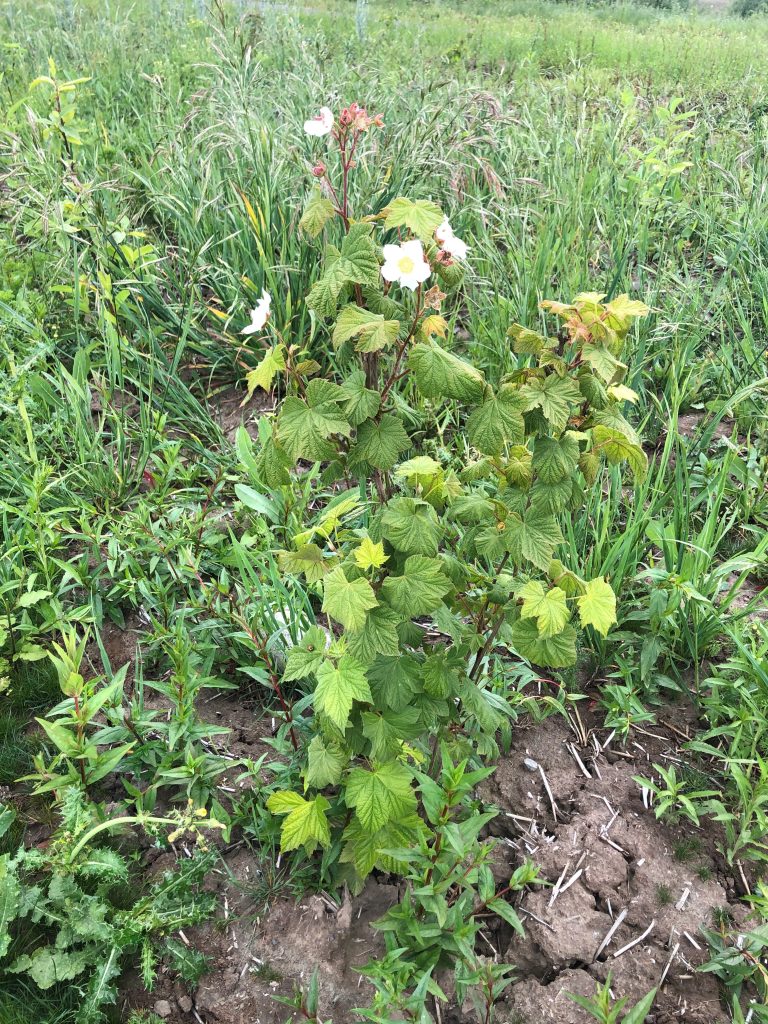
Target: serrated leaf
(548,607)
(379,796)
(10,891)
(378,636)
(554,395)
(533,537)
(324,294)
(380,444)
(303,430)
(553,652)
(555,459)
(419,590)
(603,362)
(440,374)
(361,256)
(372,329)
(306,823)
(47,965)
(528,342)
(411,526)
(519,466)
(422,216)
(618,448)
(308,559)
(338,686)
(347,602)
(433,324)
(317,212)
(396,681)
(621,393)
(271,364)
(498,421)
(369,554)
(597,606)
(360,403)
(325,764)
(306,657)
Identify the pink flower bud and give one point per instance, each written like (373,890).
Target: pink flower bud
(319,170)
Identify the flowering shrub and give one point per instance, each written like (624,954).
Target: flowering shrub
(427,570)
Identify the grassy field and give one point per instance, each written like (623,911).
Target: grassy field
(153,174)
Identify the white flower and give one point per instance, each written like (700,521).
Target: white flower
(451,243)
(405,264)
(321,124)
(259,315)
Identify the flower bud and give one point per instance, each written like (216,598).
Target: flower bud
(319,170)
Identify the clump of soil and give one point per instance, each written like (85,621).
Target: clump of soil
(614,870)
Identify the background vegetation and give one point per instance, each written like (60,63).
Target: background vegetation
(153,171)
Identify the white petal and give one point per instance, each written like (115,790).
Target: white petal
(321,124)
(250,329)
(409,281)
(391,253)
(444,231)
(421,272)
(456,247)
(390,271)
(413,249)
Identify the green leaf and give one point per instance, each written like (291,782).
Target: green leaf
(419,590)
(338,686)
(10,891)
(303,430)
(554,395)
(617,447)
(356,263)
(597,606)
(306,657)
(309,560)
(382,795)
(369,554)
(411,526)
(603,362)
(534,538)
(347,602)
(325,764)
(640,1010)
(47,965)
(360,403)
(373,330)
(306,823)
(553,652)
(555,459)
(272,363)
(378,636)
(273,464)
(361,256)
(507,913)
(257,501)
(440,374)
(498,421)
(318,211)
(528,342)
(422,217)
(324,294)
(395,680)
(548,607)
(380,444)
